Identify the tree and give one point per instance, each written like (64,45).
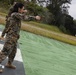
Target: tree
(70,25)
(58,7)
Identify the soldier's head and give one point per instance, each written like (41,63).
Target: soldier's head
(18,7)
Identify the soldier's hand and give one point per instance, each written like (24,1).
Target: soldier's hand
(38,17)
(25,11)
(2,38)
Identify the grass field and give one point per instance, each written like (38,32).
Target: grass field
(45,26)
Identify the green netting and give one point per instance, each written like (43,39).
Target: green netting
(44,56)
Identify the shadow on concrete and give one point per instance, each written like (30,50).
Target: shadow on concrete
(18,71)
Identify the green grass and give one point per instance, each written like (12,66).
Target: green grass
(45,26)
(44,56)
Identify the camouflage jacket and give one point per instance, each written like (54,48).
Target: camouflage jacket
(15,16)
(15,23)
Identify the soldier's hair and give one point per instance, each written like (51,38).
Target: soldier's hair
(17,6)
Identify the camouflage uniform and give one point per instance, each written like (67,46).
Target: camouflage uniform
(12,54)
(10,46)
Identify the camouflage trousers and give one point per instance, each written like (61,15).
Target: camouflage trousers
(9,49)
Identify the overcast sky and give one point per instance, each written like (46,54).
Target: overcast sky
(72,9)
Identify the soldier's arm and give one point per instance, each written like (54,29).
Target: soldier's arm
(5,30)
(3,33)
(23,16)
(29,18)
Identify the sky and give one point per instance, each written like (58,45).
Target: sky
(72,9)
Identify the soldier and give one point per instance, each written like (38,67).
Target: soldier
(10,46)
